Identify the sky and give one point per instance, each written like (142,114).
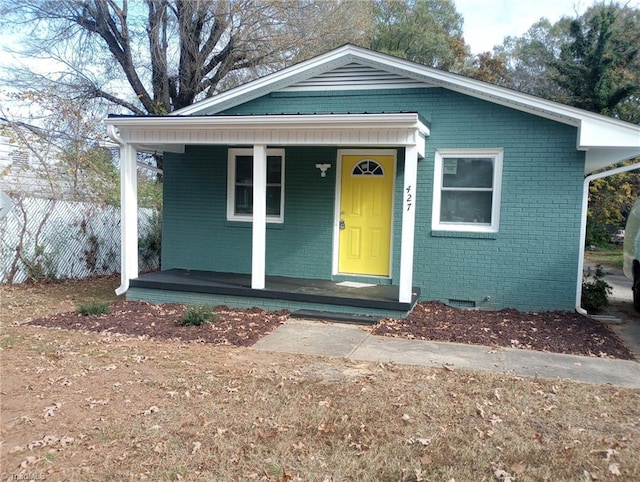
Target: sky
(488,22)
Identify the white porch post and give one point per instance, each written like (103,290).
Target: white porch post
(259,234)
(128,217)
(408,223)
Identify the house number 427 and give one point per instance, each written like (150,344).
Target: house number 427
(409,198)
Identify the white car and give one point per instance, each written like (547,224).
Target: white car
(632,252)
(618,238)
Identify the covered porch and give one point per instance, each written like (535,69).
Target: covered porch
(402,131)
(340,300)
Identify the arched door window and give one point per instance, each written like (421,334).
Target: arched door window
(368,167)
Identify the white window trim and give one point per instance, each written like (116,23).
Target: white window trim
(231,185)
(494,153)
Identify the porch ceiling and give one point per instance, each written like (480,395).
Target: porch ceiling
(172,133)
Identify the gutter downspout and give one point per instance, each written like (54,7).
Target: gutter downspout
(583,224)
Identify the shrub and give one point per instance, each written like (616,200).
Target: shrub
(595,290)
(94,307)
(197,315)
(150,244)
(40,266)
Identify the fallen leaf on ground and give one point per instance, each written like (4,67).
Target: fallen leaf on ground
(614,469)
(284,477)
(150,410)
(50,411)
(196,447)
(503,475)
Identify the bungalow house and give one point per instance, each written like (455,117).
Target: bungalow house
(357,182)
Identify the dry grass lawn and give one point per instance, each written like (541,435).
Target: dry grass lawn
(103,407)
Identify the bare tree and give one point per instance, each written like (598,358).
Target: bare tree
(156,56)
(62,157)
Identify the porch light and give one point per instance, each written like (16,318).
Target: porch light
(323,169)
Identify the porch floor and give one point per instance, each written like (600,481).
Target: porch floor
(309,291)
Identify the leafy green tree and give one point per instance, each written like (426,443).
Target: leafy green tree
(489,68)
(591,62)
(610,201)
(424,31)
(598,69)
(528,59)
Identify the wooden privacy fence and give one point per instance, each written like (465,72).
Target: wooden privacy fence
(54,239)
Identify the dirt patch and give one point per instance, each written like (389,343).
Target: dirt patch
(103,407)
(21,303)
(558,332)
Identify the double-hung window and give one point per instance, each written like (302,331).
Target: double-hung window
(240,185)
(466,193)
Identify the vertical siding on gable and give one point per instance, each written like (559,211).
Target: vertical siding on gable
(530,264)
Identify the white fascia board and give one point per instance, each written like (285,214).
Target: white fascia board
(607,143)
(287,122)
(595,132)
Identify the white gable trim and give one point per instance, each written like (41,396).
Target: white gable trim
(596,132)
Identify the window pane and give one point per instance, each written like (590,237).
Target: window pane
(466,172)
(243,196)
(244,169)
(244,199)
(273,200)
(274,169)
(466,207)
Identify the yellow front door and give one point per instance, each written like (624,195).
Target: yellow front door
(366,203)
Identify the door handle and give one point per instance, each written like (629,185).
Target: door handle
(342,225)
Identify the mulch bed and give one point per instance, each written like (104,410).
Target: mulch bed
(558,332)
(138,318)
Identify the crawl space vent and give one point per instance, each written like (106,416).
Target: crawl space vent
(461,303)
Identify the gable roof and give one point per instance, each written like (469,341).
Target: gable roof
(606,140)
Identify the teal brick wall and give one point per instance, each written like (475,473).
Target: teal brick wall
(530,264)
(196,234)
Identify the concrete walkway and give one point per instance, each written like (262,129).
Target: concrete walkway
(355,342)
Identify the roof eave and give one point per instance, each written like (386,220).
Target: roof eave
(279,121)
